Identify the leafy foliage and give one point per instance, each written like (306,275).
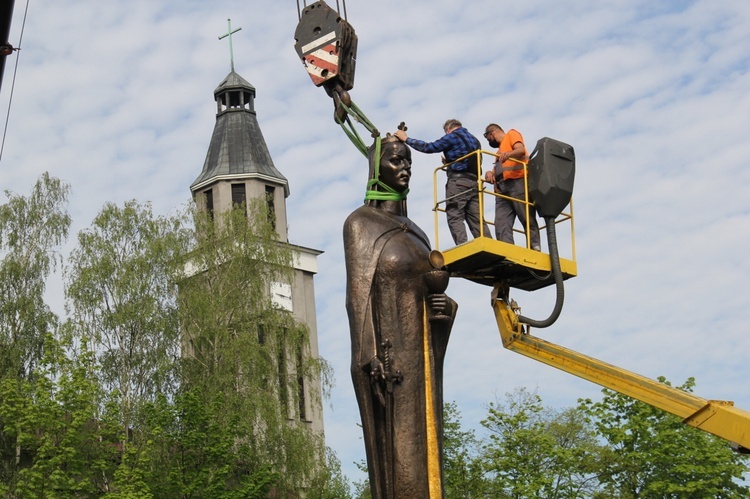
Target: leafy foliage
(242,354)
(194,454)
(537,452)
(463,475)
(123,300)
(134,397)
(31,228)
(616,447)
(62,450)
(654,454)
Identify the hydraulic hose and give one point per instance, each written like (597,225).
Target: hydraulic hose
(556,273)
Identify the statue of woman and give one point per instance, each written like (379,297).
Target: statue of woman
(399,324)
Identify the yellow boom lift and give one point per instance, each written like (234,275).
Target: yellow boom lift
(326,44)
(550,173)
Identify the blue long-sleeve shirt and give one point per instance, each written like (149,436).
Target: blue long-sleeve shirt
(459,142)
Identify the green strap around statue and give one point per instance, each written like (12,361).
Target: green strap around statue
(388,193)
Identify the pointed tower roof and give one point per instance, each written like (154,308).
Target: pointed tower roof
(233,80)
(237,149)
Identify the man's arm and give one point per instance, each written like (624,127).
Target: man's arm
(518,152)
(439,145)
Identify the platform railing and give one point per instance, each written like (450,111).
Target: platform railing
(440,202)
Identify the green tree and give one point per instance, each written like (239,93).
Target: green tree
(536,452)
(362,487)
(190,453)
(62,449)
(653,454)
(330,483)
(135,398)
(122,298)
(462,467)
(32,228)
(247,357)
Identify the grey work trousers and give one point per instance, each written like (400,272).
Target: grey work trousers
(463,205)
(506,212)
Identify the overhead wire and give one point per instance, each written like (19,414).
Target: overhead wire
(13,82)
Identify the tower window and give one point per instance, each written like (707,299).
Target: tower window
(270,190)
(248,101)
(239,196)
(261,334)
(283,383)
(301,387)
(235,100)
(210,202)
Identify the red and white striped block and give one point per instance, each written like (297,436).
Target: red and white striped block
(322,63)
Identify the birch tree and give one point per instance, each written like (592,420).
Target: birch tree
(32,228)
(122,300)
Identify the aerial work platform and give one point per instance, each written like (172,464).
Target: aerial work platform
(487,261)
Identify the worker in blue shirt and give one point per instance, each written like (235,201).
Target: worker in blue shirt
(461,192)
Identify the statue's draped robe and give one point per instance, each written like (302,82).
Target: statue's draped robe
(386,259)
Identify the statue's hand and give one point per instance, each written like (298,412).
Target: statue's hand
(377,371)
(377,376)
(438,302)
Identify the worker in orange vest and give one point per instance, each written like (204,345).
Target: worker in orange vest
(507,176)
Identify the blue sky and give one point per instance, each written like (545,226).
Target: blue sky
(117,99)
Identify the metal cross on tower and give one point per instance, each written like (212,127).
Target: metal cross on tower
(229,34)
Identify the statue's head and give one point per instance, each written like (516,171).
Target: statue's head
(390,172)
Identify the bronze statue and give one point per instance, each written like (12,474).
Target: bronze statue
(400,320)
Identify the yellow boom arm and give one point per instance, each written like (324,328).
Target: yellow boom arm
(718,417)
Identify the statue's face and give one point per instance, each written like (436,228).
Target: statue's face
(395,166)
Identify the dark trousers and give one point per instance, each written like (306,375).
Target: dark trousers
(506,212)
(463,206)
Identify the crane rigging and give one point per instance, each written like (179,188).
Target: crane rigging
(327,45)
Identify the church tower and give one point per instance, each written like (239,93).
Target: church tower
(239,167)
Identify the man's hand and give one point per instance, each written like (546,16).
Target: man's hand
(490,176)
(518,152)
(400,135)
